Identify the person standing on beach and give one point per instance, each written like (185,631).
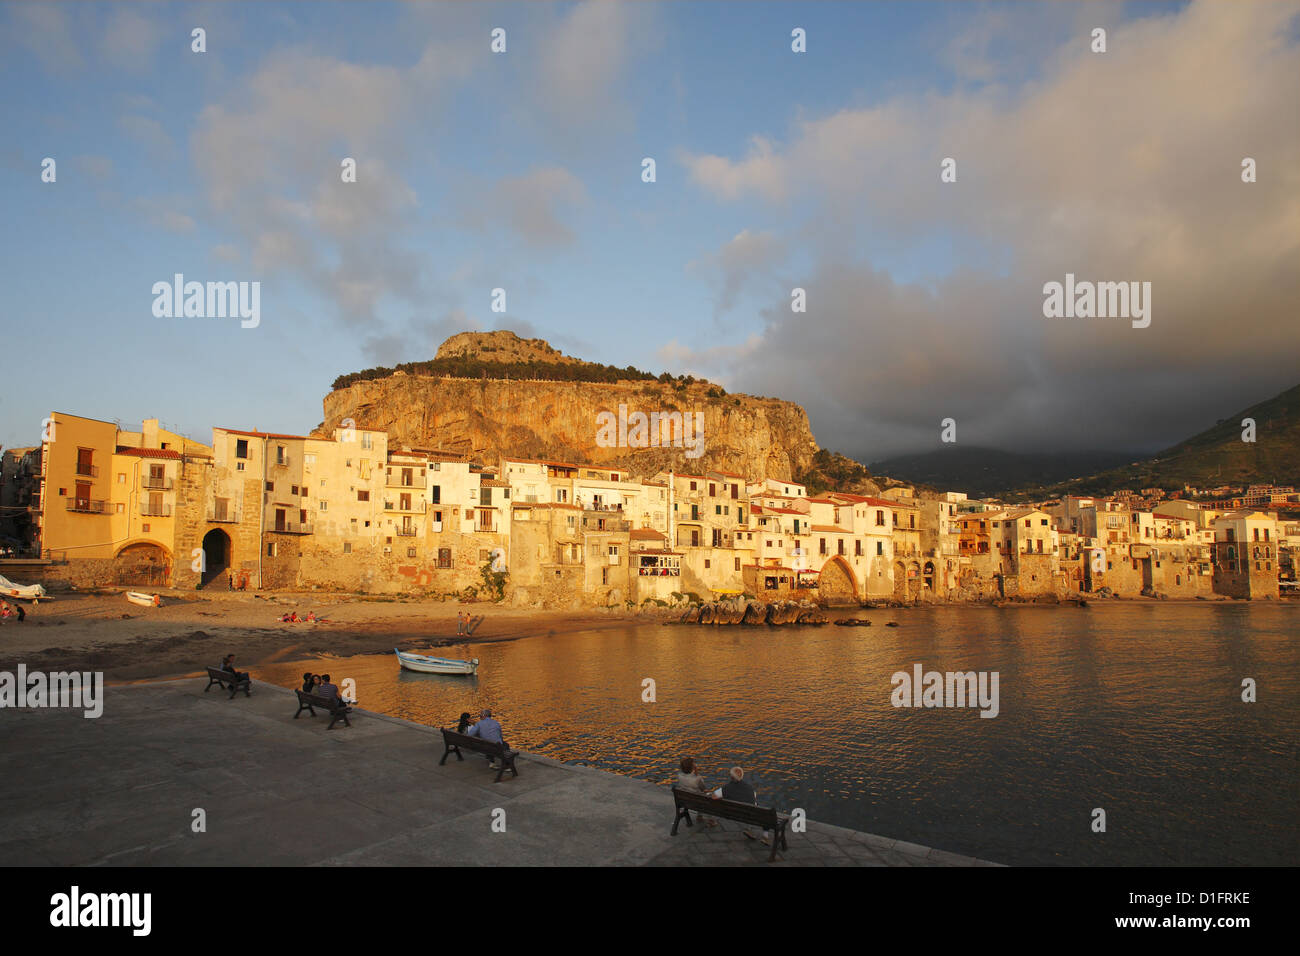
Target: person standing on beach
(460,623)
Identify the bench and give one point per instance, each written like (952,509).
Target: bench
(499,752)
(336,707)
(747,813)
(226,679)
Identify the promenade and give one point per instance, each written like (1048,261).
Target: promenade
(122,790)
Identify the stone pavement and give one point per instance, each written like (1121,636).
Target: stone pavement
(122,790)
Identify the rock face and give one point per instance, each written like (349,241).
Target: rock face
(502,346)
(488,418)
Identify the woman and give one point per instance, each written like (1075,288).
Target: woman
(309,683)
(689,779)
(462,725)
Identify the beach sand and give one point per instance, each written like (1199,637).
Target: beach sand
(102,631)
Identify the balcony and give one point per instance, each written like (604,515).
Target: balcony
(87,506)
(156,511)
(157,484)
(605,524)
(281,462)
(223,515)
(397,481)
(89,471)
(405,532)
(413,507)
(293,527)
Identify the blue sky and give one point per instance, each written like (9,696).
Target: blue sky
(774,169)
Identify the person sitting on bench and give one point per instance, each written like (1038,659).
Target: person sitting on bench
(463,725)
(228,665)
(326,689)
(688,778)
(309,683)
(740,791)
(489,730)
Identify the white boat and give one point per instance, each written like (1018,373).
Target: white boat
(142,599)
(29,592)
(435,665)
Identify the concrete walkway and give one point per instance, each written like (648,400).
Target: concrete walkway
(122,790)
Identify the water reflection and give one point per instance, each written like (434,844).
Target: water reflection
(1132,708)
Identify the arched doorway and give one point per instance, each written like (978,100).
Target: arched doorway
(929,575)
(900,581)
(216,556)
(143,564)
(838,584)
(913,581)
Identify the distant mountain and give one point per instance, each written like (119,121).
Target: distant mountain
(983,472)
(1216,456)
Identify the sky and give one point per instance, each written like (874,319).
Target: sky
(775,170)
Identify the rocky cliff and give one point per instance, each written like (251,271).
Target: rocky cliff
(562,420)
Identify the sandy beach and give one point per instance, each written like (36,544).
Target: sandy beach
(103,631)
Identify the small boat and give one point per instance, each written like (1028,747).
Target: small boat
(435,665)
(29,592)
(144,600)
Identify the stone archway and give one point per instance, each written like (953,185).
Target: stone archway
(217,556)
(142,564)
(928,576)
(913,581)
(838,584)
(900,581)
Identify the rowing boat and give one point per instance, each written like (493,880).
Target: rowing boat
(29,592)
(142,599)
(435,665)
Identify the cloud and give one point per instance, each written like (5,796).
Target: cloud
(1121,166)
(98,168)
(746,255)
(148,132)
(129,41)
(528,205)
(46,30)
(165,212)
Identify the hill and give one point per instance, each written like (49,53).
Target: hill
(1216,456)
(984,472)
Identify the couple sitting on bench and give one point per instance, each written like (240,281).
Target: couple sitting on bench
(736,789)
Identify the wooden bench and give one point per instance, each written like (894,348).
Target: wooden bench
(336,707)
(499,752)
(747,813)
(226,679)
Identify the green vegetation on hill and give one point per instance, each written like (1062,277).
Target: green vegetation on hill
(470,367)
(1217,456)
(831,471)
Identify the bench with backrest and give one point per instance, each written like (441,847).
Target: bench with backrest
(747,813)
(336,707)
(499,752)
(226,679)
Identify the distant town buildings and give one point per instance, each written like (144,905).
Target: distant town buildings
(100,505)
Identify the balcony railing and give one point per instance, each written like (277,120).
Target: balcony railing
(605,524)
(90,471)
(281,462)
(413,507)
(158,484)
(405,532)
(156,511)
(293,527)
(87,506)
(223,515)
(397,481)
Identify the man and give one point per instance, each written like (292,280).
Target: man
(460,623)
(739,790)
(228,665)
(326,688)
(487,729)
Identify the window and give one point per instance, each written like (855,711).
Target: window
(707,564)
(410,552)
(119,507)
(270,486)
(121,477)
(270,549)
(280,457)
(347,547)
(363,496)
(437,466)
(857,548)
(841,546)
(738,564)
(880,520)
(692,486)
(365,440)
(239,466)
(324,505)
(444,557)
(144,529)
(241,448)
(880,547)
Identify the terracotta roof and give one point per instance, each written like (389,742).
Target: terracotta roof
(648,533)
(729,474)
(149,452)
(831,528)
(257,434)
(657,551)
(786,511)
